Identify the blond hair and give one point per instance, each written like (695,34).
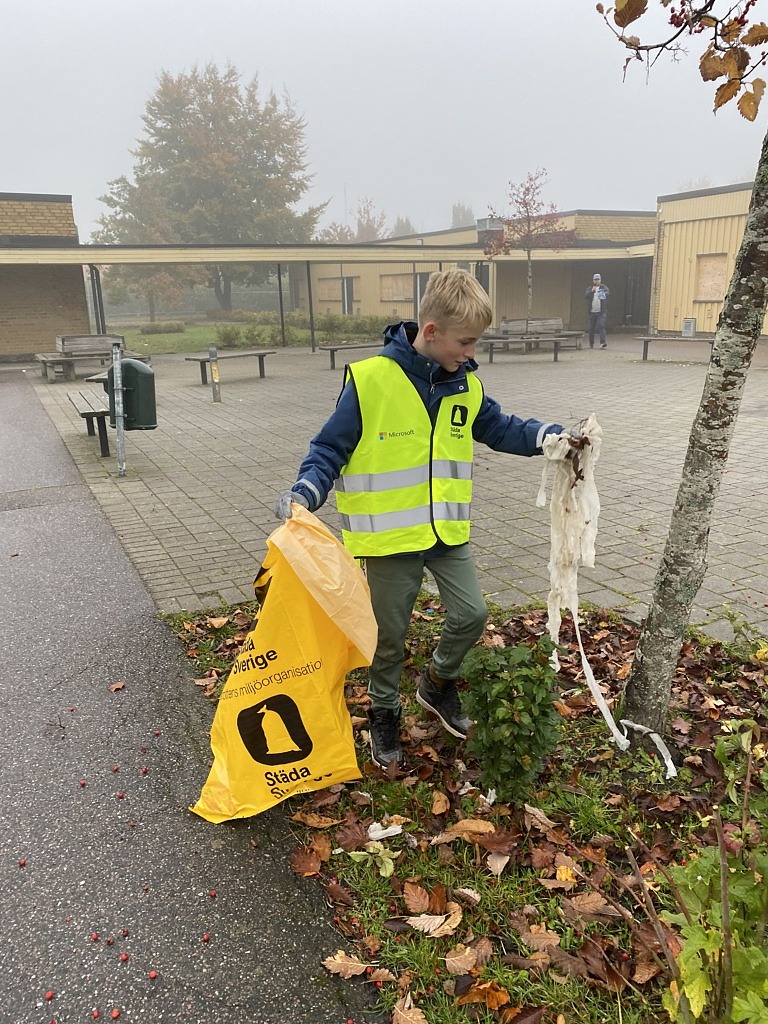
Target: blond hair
(454,298)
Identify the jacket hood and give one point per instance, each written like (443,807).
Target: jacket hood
(399,339)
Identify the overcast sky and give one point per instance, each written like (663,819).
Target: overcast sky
(417,104)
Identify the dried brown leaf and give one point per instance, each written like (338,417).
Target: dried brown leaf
(321,844)
(351,836)
(218,621)
(404,1012)
(315,820)
(416,898)
(305,861)
(488,992)
(726,92)
(440,803)
(756,34)
(382,974)
(114,687)
(461,959)
(343,965)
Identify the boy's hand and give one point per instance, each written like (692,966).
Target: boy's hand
(283,506)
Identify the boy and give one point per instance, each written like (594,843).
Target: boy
(399,447)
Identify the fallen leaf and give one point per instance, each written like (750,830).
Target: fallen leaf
(315,820)
(305,861)
(321,844)
(382,974)
(416,898)
(483,951)
(534,818)
(438,925)
(488,992)
(496,862)
(218,621)
(645,972)
(114,687)
(461,959)
(352,836)
(404,1012)
(440,803)
(340,894)
(525,1015)
(344,965)
(469,896)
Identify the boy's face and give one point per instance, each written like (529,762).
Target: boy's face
(451,347)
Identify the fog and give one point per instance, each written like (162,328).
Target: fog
(417,104)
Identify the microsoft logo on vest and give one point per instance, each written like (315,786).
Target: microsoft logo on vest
(384,435)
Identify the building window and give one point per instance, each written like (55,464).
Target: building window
(396,287)
(711,277)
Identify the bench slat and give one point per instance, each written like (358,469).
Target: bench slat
(204,361)
(91,406)
(343,346)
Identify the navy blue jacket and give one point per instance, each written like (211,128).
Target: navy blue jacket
(330,450)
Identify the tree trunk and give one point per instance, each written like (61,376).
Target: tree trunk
(152,311)
(530,285)
(684,561)
(222,289)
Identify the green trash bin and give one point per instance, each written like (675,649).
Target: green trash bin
(139,406)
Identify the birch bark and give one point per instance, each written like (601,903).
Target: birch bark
(684,563)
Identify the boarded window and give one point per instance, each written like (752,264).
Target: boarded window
(396,287)
(711,277)
(329,289)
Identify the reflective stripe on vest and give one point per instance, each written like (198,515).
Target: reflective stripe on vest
(408,482)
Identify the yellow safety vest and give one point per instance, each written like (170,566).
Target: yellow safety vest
(408,482)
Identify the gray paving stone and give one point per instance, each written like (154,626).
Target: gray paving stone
(196,507)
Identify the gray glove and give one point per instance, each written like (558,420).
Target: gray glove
(283,506)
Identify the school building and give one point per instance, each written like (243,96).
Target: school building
(668,269)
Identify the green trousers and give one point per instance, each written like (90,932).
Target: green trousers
(395,583)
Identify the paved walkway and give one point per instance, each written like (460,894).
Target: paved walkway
(197,502)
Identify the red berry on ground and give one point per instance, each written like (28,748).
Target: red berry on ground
(49,995)
(125,933)
(144,770)
(22,863)
(115,1014)
(212,893)
(95,936)
(120,796)
(115,767)
(156,732)
(206,937)
(124,957)
(95,1014)
(153,975)
(110,942)
(82,782)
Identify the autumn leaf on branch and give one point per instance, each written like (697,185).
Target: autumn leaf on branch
(627,11)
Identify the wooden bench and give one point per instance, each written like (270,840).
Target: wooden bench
(344,346)
(261,355)
(660,337)
(93,406)
(529,334)
(50,362)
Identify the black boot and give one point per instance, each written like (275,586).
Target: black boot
(384,727)
(441,697)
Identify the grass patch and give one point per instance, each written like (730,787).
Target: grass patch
(498,912)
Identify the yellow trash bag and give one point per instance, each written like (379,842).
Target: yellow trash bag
(281,726)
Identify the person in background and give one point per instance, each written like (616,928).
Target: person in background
(597,306)
(399,447)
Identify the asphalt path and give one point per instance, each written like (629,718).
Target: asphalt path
(98,889)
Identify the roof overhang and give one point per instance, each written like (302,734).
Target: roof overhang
(573,253)
(103,255)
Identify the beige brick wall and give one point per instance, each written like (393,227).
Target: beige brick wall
(37,217)
(36,304)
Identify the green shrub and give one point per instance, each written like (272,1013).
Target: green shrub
(511,692)
(163,327)
(253,335)
(227,335)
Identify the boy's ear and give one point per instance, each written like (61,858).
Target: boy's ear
(428,330)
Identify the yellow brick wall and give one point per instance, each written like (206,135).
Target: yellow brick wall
(36,304)
(33,217)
